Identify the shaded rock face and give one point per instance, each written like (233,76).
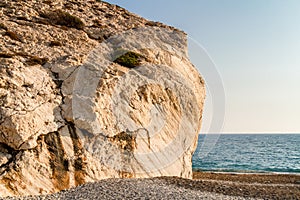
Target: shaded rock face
(90,91)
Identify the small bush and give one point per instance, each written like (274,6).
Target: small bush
(129,59)
(60,17)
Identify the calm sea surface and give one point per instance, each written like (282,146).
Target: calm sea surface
(257,153)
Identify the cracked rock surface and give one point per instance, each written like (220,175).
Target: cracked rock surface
(90,91)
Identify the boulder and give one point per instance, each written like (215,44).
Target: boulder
(90,91)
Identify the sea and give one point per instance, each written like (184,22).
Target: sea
(248,153)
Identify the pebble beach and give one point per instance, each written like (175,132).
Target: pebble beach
(203,186)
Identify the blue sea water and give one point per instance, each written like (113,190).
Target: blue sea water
(248,153)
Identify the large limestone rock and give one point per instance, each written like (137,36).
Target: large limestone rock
(90,91)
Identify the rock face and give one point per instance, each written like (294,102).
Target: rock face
(90,91)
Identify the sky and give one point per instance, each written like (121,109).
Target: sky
(255,46)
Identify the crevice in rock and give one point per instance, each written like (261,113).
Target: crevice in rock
(80,159)
(10,171)
(5,167)
(56,80)
(148,137)
(31,59)
(36,20)
(38,148)
(32,110)
(58,161)
(13,36)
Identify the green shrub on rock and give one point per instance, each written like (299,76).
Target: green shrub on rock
(129,59)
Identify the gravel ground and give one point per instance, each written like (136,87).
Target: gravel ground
(203,186)
(155,188)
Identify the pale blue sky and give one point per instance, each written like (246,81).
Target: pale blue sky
(255,45)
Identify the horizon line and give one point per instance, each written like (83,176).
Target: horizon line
(252,133)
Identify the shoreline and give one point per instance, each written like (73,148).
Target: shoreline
(252,185)
(278,178)
(246,172)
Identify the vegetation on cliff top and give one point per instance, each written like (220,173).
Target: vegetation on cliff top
(129,59)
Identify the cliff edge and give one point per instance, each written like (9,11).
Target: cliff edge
(90,91)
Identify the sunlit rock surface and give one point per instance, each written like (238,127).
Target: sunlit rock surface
(90,91)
